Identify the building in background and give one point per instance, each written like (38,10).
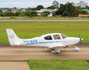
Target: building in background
(42,10)
(83,15)
(23,10)
(38,14)
(82,4)
(54,9)
(15,10)
(4,10)
(50,15)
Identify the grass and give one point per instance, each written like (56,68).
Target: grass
(42,18)
(33,29)
(58,64)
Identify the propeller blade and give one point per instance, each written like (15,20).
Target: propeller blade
(80,39)
(80,42)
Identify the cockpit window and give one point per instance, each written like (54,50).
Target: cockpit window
(56,37)
(63,36)
(48,37)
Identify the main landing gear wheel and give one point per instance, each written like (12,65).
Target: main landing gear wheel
(55,51)
(76,51)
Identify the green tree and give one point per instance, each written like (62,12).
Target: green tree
(79,8)
(17,13)
(45,13)
(51,7)
(84,8)
(33,8)
(87,7)
(14,8)
(22,14)
(8,9)
(0,10)
(65,13)
(53,13)
(40,7)
(60,10)
(2,14)
(82,12)
(9,13)
(28,9)
(33,13)
(28,13)
(68,7)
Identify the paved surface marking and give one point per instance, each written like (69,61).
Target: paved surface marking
(17,53)
(14,66)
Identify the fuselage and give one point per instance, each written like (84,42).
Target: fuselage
(50,39)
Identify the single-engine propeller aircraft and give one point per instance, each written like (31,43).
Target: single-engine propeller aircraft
(51,41)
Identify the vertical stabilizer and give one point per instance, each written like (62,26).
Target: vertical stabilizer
(12,37)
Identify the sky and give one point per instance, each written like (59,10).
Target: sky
(33,3)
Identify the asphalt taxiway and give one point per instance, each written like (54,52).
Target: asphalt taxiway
(24,53)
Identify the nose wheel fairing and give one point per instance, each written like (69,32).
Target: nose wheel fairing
(76,48)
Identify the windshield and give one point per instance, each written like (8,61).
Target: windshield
(63,36)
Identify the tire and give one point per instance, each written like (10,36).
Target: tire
(76,51)
(57,53)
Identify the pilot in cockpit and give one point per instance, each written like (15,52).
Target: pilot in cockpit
(57,37)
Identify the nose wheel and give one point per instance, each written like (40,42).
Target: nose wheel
(76,49)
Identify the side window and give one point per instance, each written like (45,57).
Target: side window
(56,37)
(48,37)
(63,36)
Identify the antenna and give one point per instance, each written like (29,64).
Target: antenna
(47,31)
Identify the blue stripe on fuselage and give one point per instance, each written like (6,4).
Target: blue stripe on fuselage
(43,42)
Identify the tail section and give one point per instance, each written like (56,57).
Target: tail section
(12,37)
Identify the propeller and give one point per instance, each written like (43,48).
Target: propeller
(80,39)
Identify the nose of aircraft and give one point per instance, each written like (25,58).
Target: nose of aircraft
(74,40)
(77,40)
(81,39)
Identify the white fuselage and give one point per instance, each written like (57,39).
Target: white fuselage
(40,41)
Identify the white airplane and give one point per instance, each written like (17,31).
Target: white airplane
(51,41)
